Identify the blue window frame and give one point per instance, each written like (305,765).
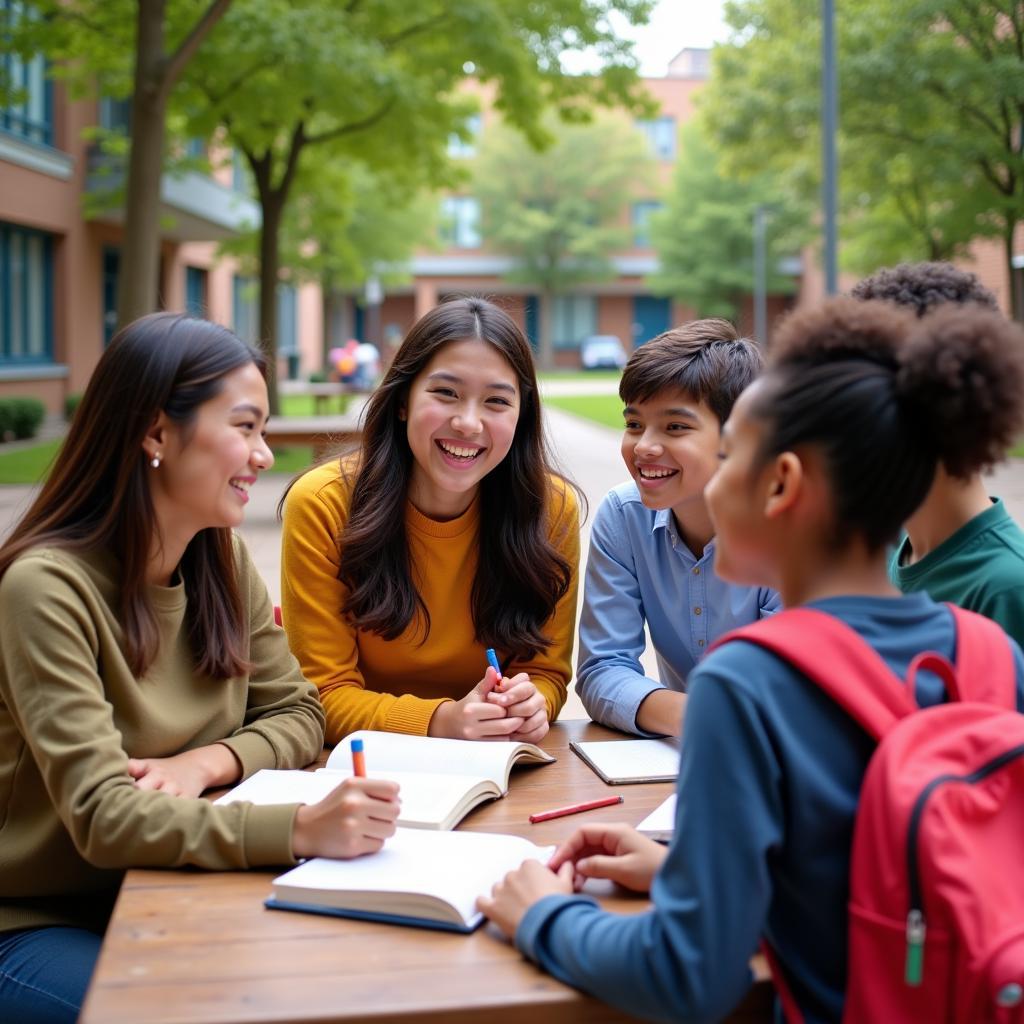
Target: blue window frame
(661,136)
(287,320)
(641,222)
(26,296)
(245,311)
(31,117)
(195,291)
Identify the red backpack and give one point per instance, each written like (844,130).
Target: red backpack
(936,912)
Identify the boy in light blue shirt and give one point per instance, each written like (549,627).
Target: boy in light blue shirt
(652,544)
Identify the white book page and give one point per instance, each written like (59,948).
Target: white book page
(661,822)
(427,800)
(456,867)
(634,759)
(388,752)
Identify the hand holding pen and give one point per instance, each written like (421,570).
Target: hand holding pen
(520,699)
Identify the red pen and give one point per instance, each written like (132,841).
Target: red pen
(561,812)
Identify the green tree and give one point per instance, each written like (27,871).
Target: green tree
(376,81)
(931,115)
(560,212)
(704,234)
(131,47)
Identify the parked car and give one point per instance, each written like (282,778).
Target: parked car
(602,352)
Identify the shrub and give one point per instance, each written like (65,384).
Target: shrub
(26,416)
(318,377)
(6,419)
(71,403)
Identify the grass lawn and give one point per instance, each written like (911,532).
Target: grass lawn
(603,409)
(27,465)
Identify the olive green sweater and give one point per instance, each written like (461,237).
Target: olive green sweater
(72,713)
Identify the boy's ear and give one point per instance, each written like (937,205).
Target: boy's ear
(786,482)
(154,442)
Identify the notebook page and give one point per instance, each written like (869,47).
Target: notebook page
(426,799)
(661,822)
(453,866)
(388,752)
(634,759)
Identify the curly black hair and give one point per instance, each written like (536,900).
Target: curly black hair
(886,398)
(924,286)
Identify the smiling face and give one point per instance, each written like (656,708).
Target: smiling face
(461,414)
(736,498)
(670,447)
(209,465)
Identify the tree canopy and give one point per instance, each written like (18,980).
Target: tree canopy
(560,212)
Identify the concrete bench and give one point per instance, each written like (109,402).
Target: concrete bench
(321,433)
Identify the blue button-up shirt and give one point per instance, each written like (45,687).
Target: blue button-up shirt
(640,569)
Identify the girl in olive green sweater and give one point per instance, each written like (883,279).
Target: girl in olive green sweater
(140,663)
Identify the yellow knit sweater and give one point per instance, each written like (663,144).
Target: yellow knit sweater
(366,682)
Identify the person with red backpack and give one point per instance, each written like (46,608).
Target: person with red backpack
(822,461)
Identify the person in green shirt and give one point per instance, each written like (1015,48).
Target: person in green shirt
(961,545)
(140,663)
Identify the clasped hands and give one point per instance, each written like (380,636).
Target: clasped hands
(505,709)
(615,852)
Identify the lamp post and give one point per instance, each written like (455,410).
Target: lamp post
(760,275)
(829,109)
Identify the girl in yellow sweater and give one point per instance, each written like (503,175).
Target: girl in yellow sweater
(446,534)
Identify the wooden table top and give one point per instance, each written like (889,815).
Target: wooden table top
(200,947)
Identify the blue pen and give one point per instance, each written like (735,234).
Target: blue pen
(492,660)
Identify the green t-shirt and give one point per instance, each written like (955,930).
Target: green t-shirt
(980,567)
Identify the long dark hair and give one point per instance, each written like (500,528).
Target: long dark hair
(517,501)
(97,494)
(886,398)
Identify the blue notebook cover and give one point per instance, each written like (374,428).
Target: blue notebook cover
(366,915)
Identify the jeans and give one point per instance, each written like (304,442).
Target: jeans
(44,973)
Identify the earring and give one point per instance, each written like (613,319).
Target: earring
(155,462)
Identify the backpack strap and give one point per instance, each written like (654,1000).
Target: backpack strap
(836,658)
(985,666)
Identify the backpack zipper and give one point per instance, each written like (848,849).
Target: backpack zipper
(914,963)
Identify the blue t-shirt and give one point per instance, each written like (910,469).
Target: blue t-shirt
(769,779)
(640,570)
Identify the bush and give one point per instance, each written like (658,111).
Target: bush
(21,417)
(318,377)
(71,404)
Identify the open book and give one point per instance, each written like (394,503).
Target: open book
(660,824)
(440,780)
(624,761)
(428,879)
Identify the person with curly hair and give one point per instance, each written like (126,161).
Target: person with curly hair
(961,545)
(823,458)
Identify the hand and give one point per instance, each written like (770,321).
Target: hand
(615,852)
(352,820)
(512,897)
(520,699)
(474,717)
(186,774)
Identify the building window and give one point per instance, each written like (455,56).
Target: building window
(241,175)
(661,136)
(466,147)
(642,212)
(195,291)
(575,317)
(245,314)
(111,274)
(287,320)
(26,296)
(31,116)
(116,115)
(460,221)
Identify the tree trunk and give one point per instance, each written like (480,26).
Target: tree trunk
(545,331)
(270,259)
(1016,291)
(140,254)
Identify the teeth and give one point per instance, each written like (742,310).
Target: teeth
(242,485)
(655,474)
(462,453)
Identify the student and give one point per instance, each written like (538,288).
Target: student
(652,543)
(140,664)
(961,545)
(770,766)
(446,534)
